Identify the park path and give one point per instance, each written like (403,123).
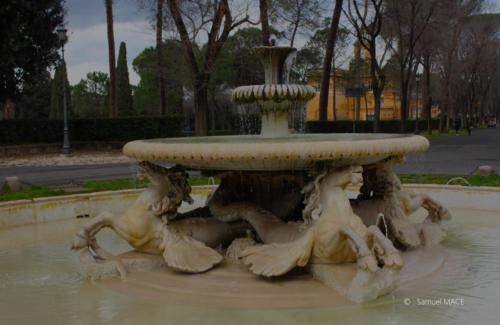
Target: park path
(447,156)
(457,155)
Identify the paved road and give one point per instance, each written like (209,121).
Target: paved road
(457,155)
(69,174)
(447,156)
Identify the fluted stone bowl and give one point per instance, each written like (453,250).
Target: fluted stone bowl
(274,93)
(257,153)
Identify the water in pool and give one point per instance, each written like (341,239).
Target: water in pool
(40,284)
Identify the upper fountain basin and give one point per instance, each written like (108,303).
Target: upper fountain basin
(293,152)
(274,93)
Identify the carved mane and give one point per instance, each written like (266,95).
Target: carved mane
(171,187)
(312,193)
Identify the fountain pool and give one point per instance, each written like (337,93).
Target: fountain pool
(40,284)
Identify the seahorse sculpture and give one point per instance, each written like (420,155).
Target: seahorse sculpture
(382,192)
(150,225)
(331,232)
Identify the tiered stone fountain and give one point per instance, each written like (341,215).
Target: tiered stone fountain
(281,207)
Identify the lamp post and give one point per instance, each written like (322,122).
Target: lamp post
(63,38)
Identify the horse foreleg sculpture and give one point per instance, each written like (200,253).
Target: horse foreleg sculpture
(382,192)
(149,226)
(331,234)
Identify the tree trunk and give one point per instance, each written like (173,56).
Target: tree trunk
(264,20)
(404,101)
(426,96)
(159,56)
(327,64)
(201,104)
(334,95)
(112,60)
(404,110)
(377,98)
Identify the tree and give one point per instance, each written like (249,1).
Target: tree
(34,101)
(57,95)
(311,56)
(111,57)
(406,23)
(123,90)
(264,21)
(426,56)
(146,94)
(452,16)
(90,97)
(218,15)
(159,56)
(366,19)
(327,64)
(296,16)
(478,62)
(29,44)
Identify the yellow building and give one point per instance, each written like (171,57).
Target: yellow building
(346,108)
(361,108)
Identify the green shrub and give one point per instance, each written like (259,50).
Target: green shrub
(83,130)
(386,126)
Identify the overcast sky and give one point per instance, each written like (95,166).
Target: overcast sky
(87,49)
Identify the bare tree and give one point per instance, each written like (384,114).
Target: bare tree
(406,23)
(111,54)
(452,16)
(296,16)
(426,57)
(366,18)
(217,19)
(327,64)
(478,59)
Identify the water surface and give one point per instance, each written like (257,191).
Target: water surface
(40,284)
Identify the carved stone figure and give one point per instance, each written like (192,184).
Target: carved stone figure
(331,232)
(148,225)
(382,192)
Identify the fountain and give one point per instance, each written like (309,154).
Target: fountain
(281,209)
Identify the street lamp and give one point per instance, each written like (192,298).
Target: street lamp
(63,38)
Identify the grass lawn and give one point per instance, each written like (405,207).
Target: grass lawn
(451,133)
(87,187)
(96,186)
(493,180)
(28,193)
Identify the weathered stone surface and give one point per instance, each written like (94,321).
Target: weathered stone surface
(484,170)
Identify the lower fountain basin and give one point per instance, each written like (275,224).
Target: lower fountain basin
(39,271)
(294,152)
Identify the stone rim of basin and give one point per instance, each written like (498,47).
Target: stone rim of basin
(289,153)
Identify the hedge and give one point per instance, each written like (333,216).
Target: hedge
(386,126)
(82,130)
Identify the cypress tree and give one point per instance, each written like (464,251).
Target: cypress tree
(56,94)
(123,89)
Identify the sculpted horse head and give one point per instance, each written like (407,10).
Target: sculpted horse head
(168,188)
(327,180)
(343,176)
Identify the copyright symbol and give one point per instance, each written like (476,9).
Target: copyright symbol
(407,301)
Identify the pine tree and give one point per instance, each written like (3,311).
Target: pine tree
(56,95)
(124,92)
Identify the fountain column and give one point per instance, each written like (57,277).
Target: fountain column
(276,97)
(276,62)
